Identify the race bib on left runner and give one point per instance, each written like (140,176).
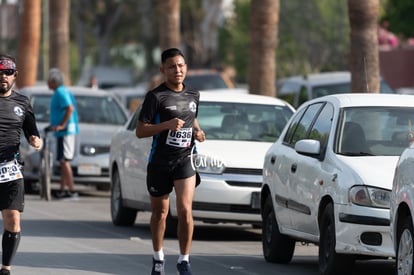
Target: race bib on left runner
(10,171)
(180,138)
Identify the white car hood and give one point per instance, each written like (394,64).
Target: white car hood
(238,154)
(97,134)
(374,171)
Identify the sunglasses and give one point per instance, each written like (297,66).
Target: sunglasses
(7,72)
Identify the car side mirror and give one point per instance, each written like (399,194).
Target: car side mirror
(310,147)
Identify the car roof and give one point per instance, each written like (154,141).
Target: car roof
(320,78)
(76,90)
(240,96)
(366,99)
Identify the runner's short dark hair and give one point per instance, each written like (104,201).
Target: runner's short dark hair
(171,52)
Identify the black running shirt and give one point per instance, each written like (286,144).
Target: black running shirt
(162,104)
(16,114)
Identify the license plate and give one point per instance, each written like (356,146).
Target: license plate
(89,169)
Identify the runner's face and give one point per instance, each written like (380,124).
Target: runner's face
(174,69)
(8,75)
(6,81)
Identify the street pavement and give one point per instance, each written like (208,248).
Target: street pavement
(78,237)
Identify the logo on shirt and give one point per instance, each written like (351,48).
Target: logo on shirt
(172,108)
(193,106)
(18,111)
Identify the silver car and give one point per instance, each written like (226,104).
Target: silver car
(100,114)
(239,128)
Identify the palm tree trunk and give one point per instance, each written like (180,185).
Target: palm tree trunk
(28,51)
(169,24)
(264,19)
(364,56)
(59,12)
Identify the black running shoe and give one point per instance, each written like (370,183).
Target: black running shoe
(184,268)
(157,267)
(4,272)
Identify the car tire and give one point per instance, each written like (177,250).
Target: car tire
(405,246)
(277,248)
(31,187)
(123,216)
(330,262)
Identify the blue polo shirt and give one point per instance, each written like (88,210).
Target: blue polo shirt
(61,99)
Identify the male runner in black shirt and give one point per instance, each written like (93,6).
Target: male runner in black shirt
(169,114)
(16,115)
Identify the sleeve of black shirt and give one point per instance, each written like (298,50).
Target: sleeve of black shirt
(29,125)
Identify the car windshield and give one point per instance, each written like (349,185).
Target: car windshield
(206,82)
(91,109)
(340,88)
(238,121)
(379,131)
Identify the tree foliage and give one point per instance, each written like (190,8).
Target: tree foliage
(399,14)
(313,36)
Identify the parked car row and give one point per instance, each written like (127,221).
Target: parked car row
(338,172)
(239,128)
(329,177)
(100,113)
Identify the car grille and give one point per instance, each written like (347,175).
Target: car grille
(243,171)
(219,207)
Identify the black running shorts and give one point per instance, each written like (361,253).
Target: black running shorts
(12,195)
(160,178)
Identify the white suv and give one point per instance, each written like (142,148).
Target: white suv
(327,179)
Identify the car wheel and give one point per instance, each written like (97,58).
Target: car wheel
(277,248)
(121,215)
(171,226)
(405,247)
(31,187)
(330,262)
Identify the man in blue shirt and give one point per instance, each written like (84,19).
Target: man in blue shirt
(64,121)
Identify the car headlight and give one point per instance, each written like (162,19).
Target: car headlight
(370,196)
(207,164)
(88,150)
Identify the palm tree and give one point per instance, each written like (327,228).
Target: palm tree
(59,12)
(264,19)
(169,24)
(364,56)
(29,44)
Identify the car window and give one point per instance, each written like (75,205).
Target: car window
(299,128)
(336,88)
(381,131)
(303,96)
(41,107)
(132,125)
(239,121)
(322,126)
(206,82)
(91,109)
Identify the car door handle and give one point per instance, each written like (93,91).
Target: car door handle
(293,168)
(273,159)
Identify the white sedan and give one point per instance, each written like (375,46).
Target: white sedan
(402,211)
(239,128)
(328,178)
